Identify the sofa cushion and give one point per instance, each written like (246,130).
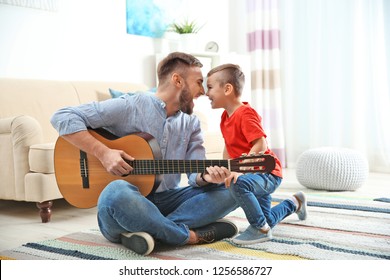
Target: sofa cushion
(41,187)
(41,158)
(36,98)
(99,91)
(214,143)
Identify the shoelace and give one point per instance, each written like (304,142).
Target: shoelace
(206,236)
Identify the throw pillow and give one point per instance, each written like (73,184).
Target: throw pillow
(116,93)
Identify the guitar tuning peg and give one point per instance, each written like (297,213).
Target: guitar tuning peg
(243,155)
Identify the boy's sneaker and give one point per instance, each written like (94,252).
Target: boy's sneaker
(302,210)
(252,235)
(140,242)
(216,231)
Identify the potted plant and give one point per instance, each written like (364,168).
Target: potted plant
(186,27)
(188,37)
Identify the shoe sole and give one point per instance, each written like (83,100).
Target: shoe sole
(249,242)
(302,199)
(141,243)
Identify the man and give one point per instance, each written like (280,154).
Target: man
(172,214)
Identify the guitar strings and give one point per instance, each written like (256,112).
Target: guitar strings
(145,167)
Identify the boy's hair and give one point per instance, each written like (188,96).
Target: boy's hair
(176,61)
(232,74)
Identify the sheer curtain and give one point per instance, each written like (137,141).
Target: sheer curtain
(335,77)
(263,45)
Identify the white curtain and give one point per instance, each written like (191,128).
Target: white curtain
(264,49)
(335,77)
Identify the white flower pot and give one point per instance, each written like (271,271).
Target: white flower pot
(190,43)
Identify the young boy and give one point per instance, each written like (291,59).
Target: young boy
(243,134)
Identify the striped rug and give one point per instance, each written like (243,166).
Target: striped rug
(336,229)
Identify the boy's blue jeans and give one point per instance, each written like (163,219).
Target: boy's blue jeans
(167,216)
(253,194)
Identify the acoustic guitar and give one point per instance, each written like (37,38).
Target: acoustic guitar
(81,177)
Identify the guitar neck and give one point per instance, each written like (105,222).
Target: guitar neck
(167,166)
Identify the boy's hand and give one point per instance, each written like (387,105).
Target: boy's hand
(233,176)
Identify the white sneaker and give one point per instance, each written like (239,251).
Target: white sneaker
(252,235)
(302,211)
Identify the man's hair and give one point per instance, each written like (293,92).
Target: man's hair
(232,74)
(176,61)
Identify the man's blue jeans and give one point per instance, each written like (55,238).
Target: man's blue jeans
(253,194)
(167,216)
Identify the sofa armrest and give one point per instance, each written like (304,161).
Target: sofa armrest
(41,158)
(17,134)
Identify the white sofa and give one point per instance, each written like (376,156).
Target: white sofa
(27,138)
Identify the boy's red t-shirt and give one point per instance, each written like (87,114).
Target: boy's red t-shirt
(240,129)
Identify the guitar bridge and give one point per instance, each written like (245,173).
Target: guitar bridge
(84,169)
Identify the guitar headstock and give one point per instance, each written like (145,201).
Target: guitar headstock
(253,163)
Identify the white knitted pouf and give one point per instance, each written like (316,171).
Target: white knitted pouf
(332,169)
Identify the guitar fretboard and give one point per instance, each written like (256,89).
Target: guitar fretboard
(167,166)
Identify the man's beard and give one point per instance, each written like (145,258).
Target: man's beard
(186,102)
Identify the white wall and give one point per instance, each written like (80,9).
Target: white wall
(87,40)
(83,40)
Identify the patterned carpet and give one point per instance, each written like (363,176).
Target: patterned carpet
(338,228)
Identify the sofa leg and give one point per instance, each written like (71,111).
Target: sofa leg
(45,210)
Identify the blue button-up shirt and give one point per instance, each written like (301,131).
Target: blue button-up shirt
(179,136)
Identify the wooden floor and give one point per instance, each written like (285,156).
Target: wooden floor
(20,222)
